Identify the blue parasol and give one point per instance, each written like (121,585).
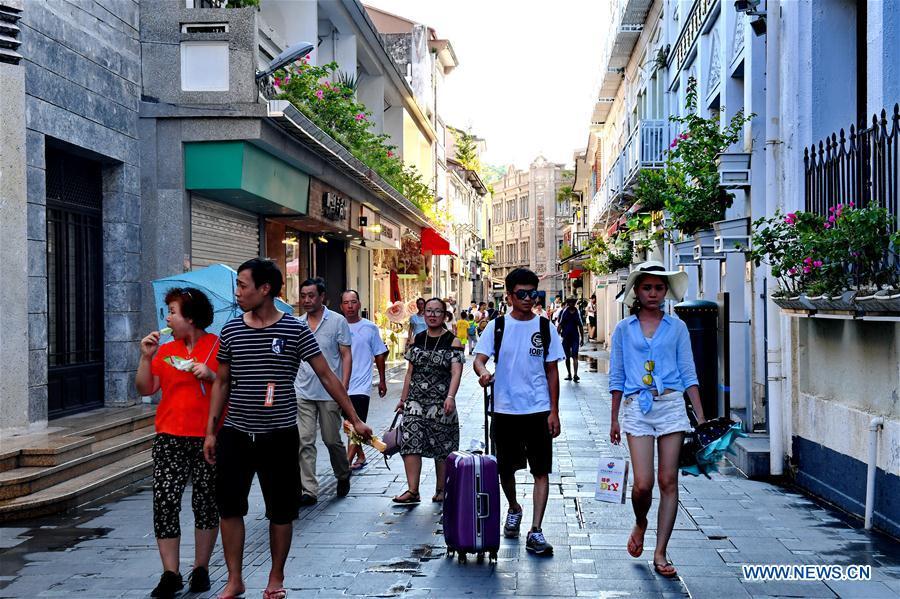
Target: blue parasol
(218,283)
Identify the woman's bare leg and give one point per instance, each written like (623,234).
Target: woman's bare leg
(669,450)
(641,450)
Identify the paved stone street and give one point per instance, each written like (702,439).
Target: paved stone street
(365,546)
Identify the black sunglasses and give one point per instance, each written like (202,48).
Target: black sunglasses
(526,293)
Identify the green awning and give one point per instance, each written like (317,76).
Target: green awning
(240,174)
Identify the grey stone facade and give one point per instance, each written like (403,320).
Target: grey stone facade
(14,409)
(82,74)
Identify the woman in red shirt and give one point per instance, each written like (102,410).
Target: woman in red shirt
(183,369)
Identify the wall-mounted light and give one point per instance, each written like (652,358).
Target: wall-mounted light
(322,238)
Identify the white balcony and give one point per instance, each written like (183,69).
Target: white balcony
(626,24)
(646,148)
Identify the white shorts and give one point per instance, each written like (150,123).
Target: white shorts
(667,416)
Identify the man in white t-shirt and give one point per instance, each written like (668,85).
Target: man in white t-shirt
(367,348)
(526,400)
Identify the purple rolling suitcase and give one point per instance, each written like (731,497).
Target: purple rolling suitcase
(472,502)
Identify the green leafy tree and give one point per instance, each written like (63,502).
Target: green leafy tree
(467,151)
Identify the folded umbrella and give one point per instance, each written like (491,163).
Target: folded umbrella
(707,445)
(218,282)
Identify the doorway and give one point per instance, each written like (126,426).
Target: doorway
(74,284)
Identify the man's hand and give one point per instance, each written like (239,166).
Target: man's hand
(362,429)
(209,449)
(382,388)
(553,424)
(615,433)
(485,379)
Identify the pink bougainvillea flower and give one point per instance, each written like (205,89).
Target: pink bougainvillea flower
(360,117)
(807,260)
(792,271)
(807,270)
(827,225)
(832,218)
(278,81)
(817,263)
(851,204)
(791,218)
(320,94)
(674,143)
(390,154)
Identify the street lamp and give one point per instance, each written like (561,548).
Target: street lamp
(287,57)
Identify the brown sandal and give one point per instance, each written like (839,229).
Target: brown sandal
(666,570)
(438,496)
(414,498)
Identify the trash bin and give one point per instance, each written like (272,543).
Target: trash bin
(701,318)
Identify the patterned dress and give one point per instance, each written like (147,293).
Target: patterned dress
(427,431)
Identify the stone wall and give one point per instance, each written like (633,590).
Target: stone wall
(83,73)
(14,409)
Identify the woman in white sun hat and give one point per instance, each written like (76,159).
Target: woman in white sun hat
(651,366)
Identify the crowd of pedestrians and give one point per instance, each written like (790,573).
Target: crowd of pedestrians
(250,401)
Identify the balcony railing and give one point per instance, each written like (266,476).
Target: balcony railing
(861,168)
(646,148)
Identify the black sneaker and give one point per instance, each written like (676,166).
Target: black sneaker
(513,522)
(199,580)
(169,584)
(537,544)
(576,379)
(307,499)
(343,487)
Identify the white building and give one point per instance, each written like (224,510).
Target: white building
(808,387)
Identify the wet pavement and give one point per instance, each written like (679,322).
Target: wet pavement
(363,546)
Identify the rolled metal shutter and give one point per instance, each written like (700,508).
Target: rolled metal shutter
(222,234)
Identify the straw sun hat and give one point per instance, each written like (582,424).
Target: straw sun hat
(677,281)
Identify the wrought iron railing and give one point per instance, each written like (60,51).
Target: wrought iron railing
(861,168)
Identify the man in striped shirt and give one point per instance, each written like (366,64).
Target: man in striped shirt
(259,355)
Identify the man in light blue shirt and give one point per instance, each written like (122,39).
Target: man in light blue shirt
(333,335)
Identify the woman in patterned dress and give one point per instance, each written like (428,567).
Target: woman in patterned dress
(428,401)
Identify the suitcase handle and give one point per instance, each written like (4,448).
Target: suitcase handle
(484,505)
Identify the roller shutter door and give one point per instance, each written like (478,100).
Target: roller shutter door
(222,234)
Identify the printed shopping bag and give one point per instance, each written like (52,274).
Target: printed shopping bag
(612,480)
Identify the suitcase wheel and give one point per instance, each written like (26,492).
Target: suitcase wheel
(450,552)
(461,557)
(480,557)
(492,556)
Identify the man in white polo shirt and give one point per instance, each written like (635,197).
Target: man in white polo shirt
(367,349)
(333,335)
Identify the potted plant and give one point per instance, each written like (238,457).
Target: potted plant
(844,262)
(693,196)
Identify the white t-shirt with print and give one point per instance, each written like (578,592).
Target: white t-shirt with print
(520,383)
(366,345)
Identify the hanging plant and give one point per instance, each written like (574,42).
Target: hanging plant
(694,198)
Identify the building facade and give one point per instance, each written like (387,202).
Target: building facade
(526,228)
(777,373)
(139,143)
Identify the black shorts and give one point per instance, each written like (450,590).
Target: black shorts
(361,405)
(520,440)
(273,457)
(570,346)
